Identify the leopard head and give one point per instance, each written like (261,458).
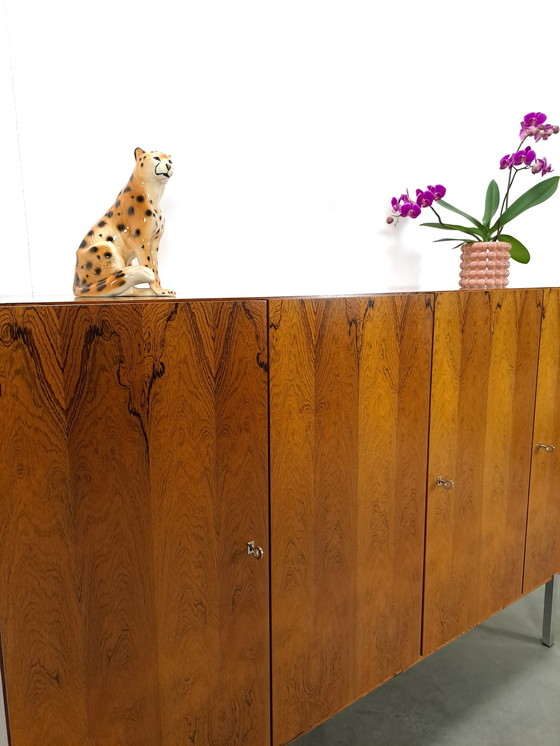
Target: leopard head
(153,165)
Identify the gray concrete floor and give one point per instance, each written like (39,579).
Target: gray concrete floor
(497,685)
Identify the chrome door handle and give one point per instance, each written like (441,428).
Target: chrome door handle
(447,484)
(547,448)
(257,552)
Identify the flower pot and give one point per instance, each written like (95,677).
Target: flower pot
(485,264)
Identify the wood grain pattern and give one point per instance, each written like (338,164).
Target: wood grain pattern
(395,369)
(349,388)
(39,613)
(542,558)
(483,387)
(209,473)
(134,454)
(104,371)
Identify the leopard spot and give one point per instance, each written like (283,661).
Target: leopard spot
(83,245)
(107,255)
(98,270)
(110,239)
(110,214)
(102,223)
(89,265)
(120,227)
(137,232)
(148,213)
(90,233)
(140,198)
(131,210)
(117,203)
(127,188)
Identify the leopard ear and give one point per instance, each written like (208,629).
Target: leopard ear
(138,152)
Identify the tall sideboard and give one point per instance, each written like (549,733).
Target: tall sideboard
(222,521)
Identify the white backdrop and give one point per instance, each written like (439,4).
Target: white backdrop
(290,123)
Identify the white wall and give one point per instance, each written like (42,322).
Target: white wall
(14,249)
(290,123)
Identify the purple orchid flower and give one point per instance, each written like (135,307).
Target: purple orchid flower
(397,204)
(405,207)
(424,199)
(526,156)
(410,210)
(530,156)
(530,123)
(541,167)
(520,158)
(506,161)
(438,191)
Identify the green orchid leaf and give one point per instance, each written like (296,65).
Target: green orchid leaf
(492,202)
(449,227)
(474,221)
(518,252)
(457,245)
(532,197)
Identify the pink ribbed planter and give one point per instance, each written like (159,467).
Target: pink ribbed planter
(485,264)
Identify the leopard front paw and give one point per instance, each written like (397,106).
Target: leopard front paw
(163,291)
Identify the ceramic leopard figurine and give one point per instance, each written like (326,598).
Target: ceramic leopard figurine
(131,229)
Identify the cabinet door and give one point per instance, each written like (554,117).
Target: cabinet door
(349,401)
(483,390)
(542,558)
(134,472)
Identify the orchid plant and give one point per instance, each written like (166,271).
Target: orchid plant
(534,126)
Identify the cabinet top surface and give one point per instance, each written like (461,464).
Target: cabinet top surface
(71,300)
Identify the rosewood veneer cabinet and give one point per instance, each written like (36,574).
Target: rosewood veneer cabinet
(222,521)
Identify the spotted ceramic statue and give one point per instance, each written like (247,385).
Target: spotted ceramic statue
(130,230)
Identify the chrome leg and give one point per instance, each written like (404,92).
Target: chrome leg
(549,612)
(3,727)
